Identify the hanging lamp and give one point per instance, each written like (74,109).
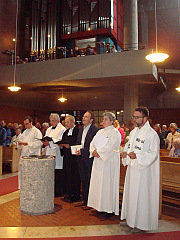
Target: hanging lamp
(156,57)
(15,88)
(62,99)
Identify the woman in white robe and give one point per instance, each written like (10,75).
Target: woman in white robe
(104,184)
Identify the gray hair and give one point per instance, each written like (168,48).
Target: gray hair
(45,124)
(110,115)
(71,118)
(55,116)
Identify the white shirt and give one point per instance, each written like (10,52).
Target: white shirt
(70,132)
(86,129)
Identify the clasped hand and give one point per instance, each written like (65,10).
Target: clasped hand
(132,155)
(95,154)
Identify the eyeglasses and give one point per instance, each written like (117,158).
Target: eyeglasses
(136,117)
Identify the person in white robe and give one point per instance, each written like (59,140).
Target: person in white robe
(56,132)
(140,204)
(104,184)
(28,143)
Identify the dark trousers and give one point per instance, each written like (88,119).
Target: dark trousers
(72,178)
(85,174)
(59,187)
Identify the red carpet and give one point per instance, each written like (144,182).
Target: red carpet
(149,236)
(8,185)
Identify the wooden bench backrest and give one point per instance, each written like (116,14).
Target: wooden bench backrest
(169,159)
(171,176)
(164,152)
(7,153)
(11,154)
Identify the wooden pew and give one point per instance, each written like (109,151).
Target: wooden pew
(169,181)
(1,156)
(122,178)
(164,152)
(169,159)
(11,155)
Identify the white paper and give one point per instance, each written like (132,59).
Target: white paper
(99,141)
(75,148)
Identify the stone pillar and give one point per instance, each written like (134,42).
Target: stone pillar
(130,99)
(130,25)
(37,185)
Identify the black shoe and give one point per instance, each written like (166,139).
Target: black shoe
(109,215)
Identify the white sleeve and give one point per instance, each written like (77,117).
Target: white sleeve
(36,144)
(91,148)
(113,143)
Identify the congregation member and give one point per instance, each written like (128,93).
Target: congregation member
(85,136)
(172,135)
(104,184)
(126,130)
(45,126)
(38,126)
(89,50)
(72,178)
(56,132)
(157,128)
(8,132)
(175,151)
(10,126)
(121,130)
(131,125)
(2,136)
(21,127)
(16,137)
(113,49)
(140,204)
(164,131)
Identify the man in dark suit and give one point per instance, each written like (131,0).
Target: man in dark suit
(85,136)
(70,166)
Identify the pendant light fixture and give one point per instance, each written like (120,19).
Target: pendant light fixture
(62,99)
(156,57)
(15,88)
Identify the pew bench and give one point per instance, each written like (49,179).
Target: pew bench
(170,182)
(10,155)
(164,152)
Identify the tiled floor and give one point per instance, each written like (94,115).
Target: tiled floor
(66,221)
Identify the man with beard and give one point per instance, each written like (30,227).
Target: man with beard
(140,205)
